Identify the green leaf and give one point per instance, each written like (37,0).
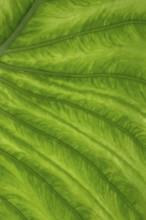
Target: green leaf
(73,109)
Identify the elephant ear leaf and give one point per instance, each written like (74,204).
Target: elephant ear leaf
(73,109)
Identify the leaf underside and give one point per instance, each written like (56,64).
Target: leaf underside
(73,110)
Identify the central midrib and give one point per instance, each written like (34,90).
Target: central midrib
(20,27)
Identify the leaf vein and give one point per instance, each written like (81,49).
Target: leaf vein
(8,203)
(54,74)
(67,146)
(33,172)
(72,36)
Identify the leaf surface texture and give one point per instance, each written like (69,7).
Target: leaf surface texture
(73,109)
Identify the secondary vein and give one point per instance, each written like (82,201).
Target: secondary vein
(77,34)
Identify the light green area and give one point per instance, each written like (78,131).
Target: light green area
(73,109)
